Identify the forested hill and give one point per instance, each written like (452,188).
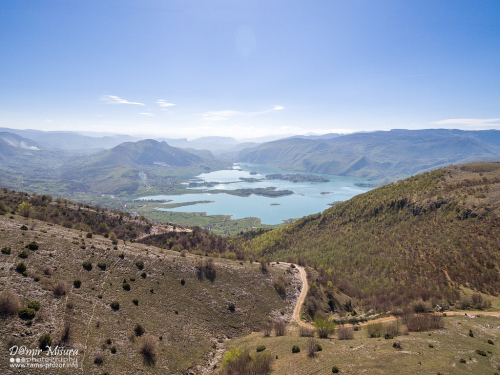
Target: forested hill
(378,155)
(423,237)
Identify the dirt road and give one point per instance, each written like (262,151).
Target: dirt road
(301,299)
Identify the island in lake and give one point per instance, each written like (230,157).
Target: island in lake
(251,179)
(363,184)
(296,177)
(269,192)
(326,192)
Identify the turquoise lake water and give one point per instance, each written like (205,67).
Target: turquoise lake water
(307,199)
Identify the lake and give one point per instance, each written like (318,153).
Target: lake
(306,200)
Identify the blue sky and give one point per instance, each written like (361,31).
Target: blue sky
(192,68)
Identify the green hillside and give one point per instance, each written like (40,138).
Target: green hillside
(420,238)
(378,155)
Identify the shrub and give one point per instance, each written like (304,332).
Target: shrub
(60,288)
(32,246)
(183,282)
(121,256)
(231,307)
(66,332)
(9,303)
(313,347)
(21,267)
(37,278)
(139,330)
(77,283)
(267,328)
(279,328)
(102,266)
(491,342)
(89,235)
(6,250)
(206,267)
(115,305)
(87,266)
(44,341)
(23,227)
(114,239)
(135,301)
(27,313)
(23,254)
(393,329)
(244,363)
(149,349)
(48,270)
(139,264)
(261,348)
(35,305)
(481,352)
(126,286)
(471,334)
(345,333)
(143,275)
(113,350)
(306,332)
(374,330)
(462,360)
(335,370)
(324,328)
(295,349)
(396,345)
(279,285)
(98,360)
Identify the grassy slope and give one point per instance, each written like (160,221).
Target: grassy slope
(377,356)
(203,316)
(394,244)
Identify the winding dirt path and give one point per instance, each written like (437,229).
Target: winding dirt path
(301,299)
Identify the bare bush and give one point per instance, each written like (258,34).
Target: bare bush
(67,332)
(393,329)
(345,333)
(206,267)
(375,330)
(279,328)
(9,303)
(149,350)
(245,364)
(306,332)
(312,347)
(60,288)
(268,327)
(48,270)
(423,322)
(279,285)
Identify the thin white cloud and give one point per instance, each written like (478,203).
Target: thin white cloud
(212,116)
(475,122)
(164,104)
(146,114)
(48,120)
(113,99)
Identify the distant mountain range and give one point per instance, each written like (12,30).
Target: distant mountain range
(378,155)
